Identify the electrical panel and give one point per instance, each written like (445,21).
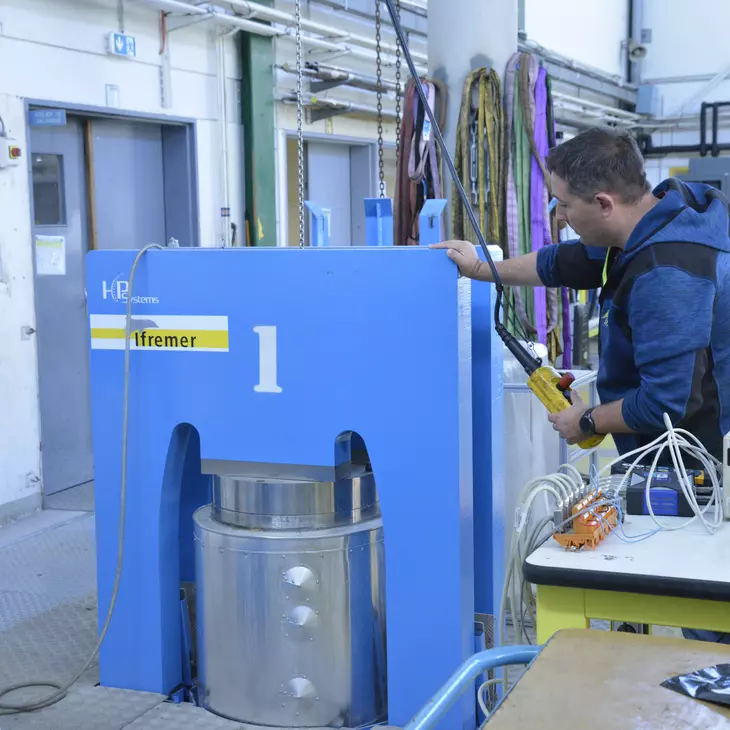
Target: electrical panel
(10,152)
(714,171)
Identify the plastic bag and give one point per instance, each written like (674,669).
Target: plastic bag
(711,684)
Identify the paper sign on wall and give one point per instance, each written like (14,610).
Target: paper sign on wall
(50,255)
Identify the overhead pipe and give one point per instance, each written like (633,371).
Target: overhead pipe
(681,79)
(289,33)
(521,20)
(343,107)
(595,115)
(565,62)
(688,122)
(636,25)
(701,93)
(257,28)
(620,113)
(415,7)
(703,148)
(256,10)
(387,59)
(345,77)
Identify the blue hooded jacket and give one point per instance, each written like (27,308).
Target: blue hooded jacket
(665,314)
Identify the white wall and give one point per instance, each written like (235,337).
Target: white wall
(588,31)
(19,427)
(56,51)
(686,41)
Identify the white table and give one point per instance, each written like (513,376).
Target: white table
(677,578)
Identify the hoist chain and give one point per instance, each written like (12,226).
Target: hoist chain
(398,91)
(300,128)
(379,75)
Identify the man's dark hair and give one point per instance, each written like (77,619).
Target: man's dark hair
(601,159)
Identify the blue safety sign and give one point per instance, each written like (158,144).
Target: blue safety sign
(47,117)
(124,45)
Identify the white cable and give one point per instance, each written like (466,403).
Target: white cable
(677,440)
(565,489)
(480,693)
(513,592)
(676,444)
(62,689)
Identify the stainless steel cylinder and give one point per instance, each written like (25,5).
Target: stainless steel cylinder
(291,622)
(294,505)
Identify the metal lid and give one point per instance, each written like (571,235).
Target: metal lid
(294,505)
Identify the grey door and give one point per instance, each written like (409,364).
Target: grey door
(328,178)
(129,202)
(129,184)
(60,243)
(362,185)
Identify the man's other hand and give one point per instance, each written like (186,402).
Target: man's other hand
(567,422)
(464,255)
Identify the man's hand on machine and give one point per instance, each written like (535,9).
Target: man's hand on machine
(567,422)
(464,255)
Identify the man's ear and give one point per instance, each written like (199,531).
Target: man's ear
(606,203)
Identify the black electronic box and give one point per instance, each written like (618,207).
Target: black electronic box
(666,494)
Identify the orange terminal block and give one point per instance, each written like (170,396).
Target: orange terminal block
(590,526)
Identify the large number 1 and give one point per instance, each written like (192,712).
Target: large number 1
(267,360)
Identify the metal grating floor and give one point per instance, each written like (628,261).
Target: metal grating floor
(48,630)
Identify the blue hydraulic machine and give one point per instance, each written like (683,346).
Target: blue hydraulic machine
(257,374)
(252,365)
(297,473)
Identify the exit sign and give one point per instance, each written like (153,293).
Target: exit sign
(120,44)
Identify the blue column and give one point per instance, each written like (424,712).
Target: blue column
(429,221)
(320,225)
(379,221)
(488,433)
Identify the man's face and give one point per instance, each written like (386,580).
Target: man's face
(592,221)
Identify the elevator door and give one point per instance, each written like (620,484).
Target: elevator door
(129,203)
(328,168)
(60,242)
(129,183)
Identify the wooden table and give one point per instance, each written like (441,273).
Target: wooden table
(600,680)
(679,578)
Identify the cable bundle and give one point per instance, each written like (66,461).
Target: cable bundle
(677,440)
(566,488)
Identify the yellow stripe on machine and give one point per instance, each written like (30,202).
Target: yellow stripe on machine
(166,333)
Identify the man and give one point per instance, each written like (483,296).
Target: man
(662,261)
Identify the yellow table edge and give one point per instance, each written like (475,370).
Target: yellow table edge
(573,608)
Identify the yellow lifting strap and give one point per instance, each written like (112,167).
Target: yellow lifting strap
(479,159)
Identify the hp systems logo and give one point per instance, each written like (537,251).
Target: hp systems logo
(117,291)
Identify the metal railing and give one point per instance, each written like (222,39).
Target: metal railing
(464,677)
